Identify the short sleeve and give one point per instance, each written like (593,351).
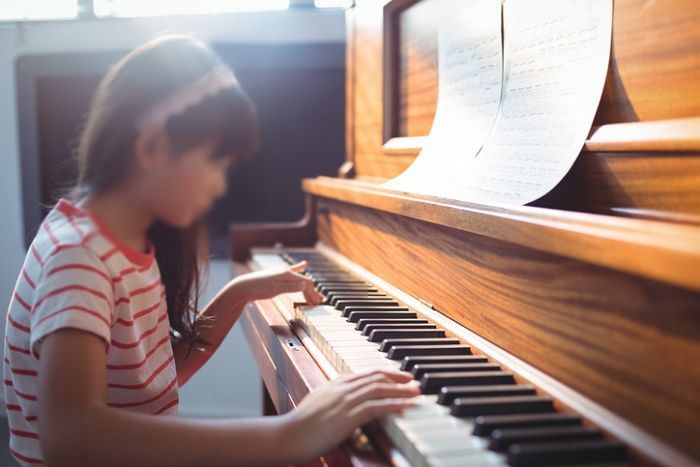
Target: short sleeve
(73,291)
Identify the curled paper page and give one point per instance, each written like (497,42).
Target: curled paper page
(555,61)
(469,91)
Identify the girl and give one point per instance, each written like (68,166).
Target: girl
(102,329)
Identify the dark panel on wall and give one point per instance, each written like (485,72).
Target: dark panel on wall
(299,92)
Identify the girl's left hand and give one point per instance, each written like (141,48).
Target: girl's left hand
(268,283)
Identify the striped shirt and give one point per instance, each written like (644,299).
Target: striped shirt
(79,275)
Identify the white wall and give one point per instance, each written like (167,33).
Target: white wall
(228,385)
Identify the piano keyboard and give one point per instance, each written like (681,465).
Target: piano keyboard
(471,411)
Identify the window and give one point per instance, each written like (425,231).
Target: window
(333,3)
(131,8)
(17,10)
(21,10)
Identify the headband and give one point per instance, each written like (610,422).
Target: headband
(219,78)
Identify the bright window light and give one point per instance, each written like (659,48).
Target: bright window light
(127,8)
(333,3)
(38,9)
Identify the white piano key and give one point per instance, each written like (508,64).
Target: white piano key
(425,433)
(484,458)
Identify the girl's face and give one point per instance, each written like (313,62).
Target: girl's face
(180,188)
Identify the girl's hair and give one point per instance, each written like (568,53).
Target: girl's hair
(148,75)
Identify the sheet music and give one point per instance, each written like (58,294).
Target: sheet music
(555,61)
(470,69)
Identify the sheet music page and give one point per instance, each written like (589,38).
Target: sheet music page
(556,58)
(470,69)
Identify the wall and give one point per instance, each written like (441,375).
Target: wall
(228,385)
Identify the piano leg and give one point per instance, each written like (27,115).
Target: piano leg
(268,405)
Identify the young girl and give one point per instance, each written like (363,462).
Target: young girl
(102,328)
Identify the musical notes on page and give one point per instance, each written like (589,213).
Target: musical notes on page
(555,58)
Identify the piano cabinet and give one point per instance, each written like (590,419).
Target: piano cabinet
(591,294)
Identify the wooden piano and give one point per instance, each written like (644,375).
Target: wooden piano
(585,305)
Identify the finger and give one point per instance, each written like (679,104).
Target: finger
(380,391)
(370,379)
(298,267)
(306,285)
(369,410)
(310,298)
(367,378)
(391,375)
(310,293)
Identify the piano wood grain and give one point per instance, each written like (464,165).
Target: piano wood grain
(626,342)
(651,90)
(654,250)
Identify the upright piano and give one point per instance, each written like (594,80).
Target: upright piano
(566,331)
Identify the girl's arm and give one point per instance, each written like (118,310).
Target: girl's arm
(78,428)
(225,308)
(216,320)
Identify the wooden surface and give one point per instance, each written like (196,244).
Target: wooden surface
(655,250)
(244,236)
(654,79)
(628,343)
(418,68)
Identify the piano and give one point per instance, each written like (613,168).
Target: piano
(566,331)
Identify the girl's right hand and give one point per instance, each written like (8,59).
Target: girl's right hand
(329,414)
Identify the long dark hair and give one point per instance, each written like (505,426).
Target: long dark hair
(149,74)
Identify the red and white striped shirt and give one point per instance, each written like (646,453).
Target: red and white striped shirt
(78,275)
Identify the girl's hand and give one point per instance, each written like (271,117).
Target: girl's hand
(268,283)
(328,415)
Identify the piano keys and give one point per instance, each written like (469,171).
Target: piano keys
(471,412)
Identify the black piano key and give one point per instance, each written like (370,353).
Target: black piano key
(563,453)
(431,383)
(338,289)
(475,406)
(345,287)
(355,316)
(501,440)
(409,362)
(484,425)
(421,369)
(324,269)
(339,286)
(320,280)
(368,329)
(449,394)
(399,352)
(333,291)
(333,299)
(342,304)
(358,294)
(355,285)
(360,326)
(339,276)
(351,309)
(379,335)
(388,344)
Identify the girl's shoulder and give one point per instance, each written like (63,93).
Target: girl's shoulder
(69,234)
